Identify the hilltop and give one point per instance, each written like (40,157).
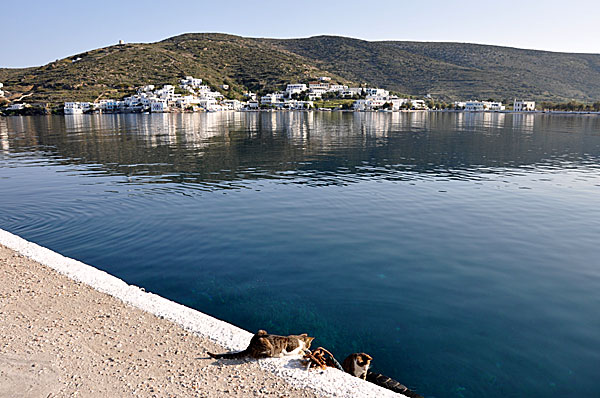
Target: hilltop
(446,70)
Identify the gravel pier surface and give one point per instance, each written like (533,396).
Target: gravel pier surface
(61,338)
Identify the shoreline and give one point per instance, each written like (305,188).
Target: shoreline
(60,314)
(536,112)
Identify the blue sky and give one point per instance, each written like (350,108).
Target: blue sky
(38,32)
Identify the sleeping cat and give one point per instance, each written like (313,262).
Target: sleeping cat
(357,364)
(264,345)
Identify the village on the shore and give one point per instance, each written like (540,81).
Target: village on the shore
(195,96)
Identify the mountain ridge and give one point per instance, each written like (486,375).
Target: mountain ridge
(446,70)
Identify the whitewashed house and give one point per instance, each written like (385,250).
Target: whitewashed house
(294,104)
(187,101)
(113,105)
(295,89)
(496,106)
(474,106)
(317,91)
(206,92)
(418,104)
(233,105)
(190,81)
(325,78)
(478,106)
(318,86)
(159,106)
(369,104)
(272,99)
(253,104)
(397,103)
(337,88)
(377,92)
(1,92)
(524,106)
(77,108)
(250,95)
(355,90)
(17,107)
(146,89)
(210,104)
(166,92)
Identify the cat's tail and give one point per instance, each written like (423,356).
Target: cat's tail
(230,355)
(391,384)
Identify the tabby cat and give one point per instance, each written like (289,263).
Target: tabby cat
(264,345)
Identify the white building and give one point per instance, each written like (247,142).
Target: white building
(398,103)
(210,104)
(293,104)
(417,104)
(77,108)
(253,104)
(377,92)
(145,89)
(1,92)
(318,91)
(190,81)
(250,95)
(338,88)
(187,101)
(523,106)
(206,92)
(17,107)
(166,92)
(355,91)
(478,106)
(325,78)
(159,105)
(233,105)
(369,104)
(347,94)
(496,106)
(110,105)
(318,86)
(474,106)
(295,89)
(271,99)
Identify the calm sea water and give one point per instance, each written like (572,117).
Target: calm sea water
(460,250)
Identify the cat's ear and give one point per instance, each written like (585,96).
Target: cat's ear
(304,334)
(368,357)
(261,332)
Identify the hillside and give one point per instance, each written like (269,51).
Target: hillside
(446,70)
(116,70)
(456,70)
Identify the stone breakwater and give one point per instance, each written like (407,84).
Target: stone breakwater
(69,328)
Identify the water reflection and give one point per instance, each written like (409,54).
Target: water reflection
(4,144)
(306,147)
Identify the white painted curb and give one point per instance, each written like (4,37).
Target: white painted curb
(329,383)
